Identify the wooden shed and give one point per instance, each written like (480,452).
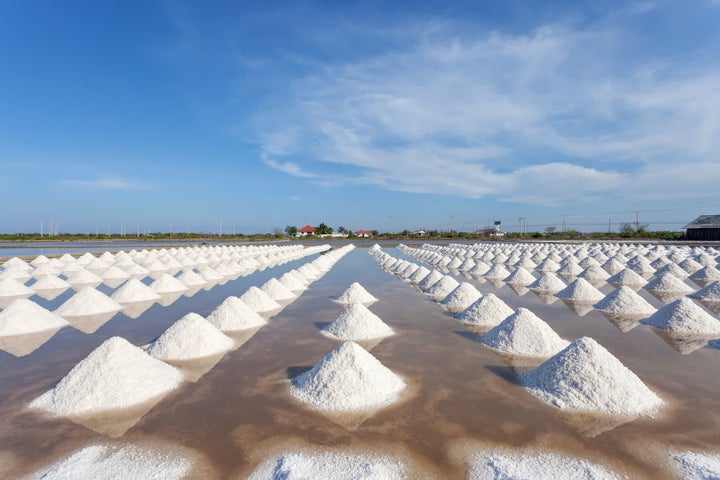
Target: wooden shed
(705,228)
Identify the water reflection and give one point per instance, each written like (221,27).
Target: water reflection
(21,345)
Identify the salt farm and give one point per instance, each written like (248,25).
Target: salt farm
(487,360)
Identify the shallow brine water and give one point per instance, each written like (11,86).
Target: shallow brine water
(460,394)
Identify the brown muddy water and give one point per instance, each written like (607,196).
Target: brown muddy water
(237,410)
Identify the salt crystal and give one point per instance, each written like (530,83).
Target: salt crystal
(357,323)
(686,317)
(190,337)
(430,280)
(488,311)
(549,282)
(625,301)
(329,465)
(88,301)
(23,316)
(166,283)
(259,300)
(524,334)
(580,291)
(234,315)
(442,287)
(696,465)
(461,297)
(356,293)
(134,291)
(711,293)
(276,290)
(519,277)
(536,465)
(668,283)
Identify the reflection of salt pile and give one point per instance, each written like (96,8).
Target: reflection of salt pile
(625,301)
(335,465)
(488,311)
(548,282)
(580,291)
(276,290)
(586,377)
(23,316)
(521,465)
(233,315)
(686,317)
(116,462)
(348,379)
(115,375)
(259,300)
(357,323)
(524,334)
(134,291)
(88,301)
(461,298)
(442,288)
(356,293)
(696,465)
(190,337)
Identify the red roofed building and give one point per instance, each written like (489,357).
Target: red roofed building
(364,233)
(306,230)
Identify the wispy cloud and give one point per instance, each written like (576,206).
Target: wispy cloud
(103,183)
(559,111)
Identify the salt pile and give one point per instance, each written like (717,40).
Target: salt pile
(586,377)
(292,282)
(496,272)
(594,274)
(348,379)
(106,462)
(580,291)
(711,293)
(461,298)
(276,290)
(628,278)
(259,300)
(23,316)
(549,282)
(116,375)
(524,334)
(12,288)
(696,465)
(525,465)
(88,301)
(705,276)
(18,274)
(134,291)
(190,337)
(668,283)
(356,293)
(233,315)
(84,278)
(50,282)
(625,301)
(166,283)
(357,323)
(686,317)
(418,275)
(520,277)
(442,288)
(488,311)
(191,279)
(330,465)
(430,280)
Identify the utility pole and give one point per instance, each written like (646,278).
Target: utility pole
(41,228)
(637,220)
(520,225)
(564,223)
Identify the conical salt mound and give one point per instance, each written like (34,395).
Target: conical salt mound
(191,279)
(625,301)
(442,288)
(586,377)
(190,337)
(549,282)
(84,278)
(524,334)
(336,465)
(357,323)
(166,283)
(276,290)
(496,272)
(348,379)
(50,282)
(705,276)
(594,273)
(116,375)
(12,288)
(580,291)
(686,317)
(356,293)
(461,298)
(259,300)
(488,311)
(668,283)
(418,275)
(430,280)
(628,278)
(520,277)
(233,315)
(292,282)
(535,465)
(134,291)
(23,316)
(711,293)
(88,301)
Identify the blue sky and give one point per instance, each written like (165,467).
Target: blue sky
(370,114)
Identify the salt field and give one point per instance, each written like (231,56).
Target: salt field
(290,361)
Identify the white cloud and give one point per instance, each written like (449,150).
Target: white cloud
(104,183)
(288,167)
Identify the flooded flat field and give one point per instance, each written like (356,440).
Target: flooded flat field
(461,395)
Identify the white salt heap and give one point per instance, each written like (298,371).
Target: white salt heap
(23,316)
(580,291)
(259,300)
(520,277)
(488,311)
(329,465)
(696,465)
(668,283)
(442,288)
(686,317)
(497,272)
(276,290)
(356,293)
(418,275)
(533,465)
(628,278)
(191,279)
(88,301)
(134,291)
(116,375)
(357,323)
(50,282)
(116,462)
(625,301)
(430,280)
(190,337)
(549,282)
(524,334)
(84,278)
(166,283)
(13,288)
(461,298)
(348,379)
(292,282)
(711,293)
(234,315)
(586,377)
